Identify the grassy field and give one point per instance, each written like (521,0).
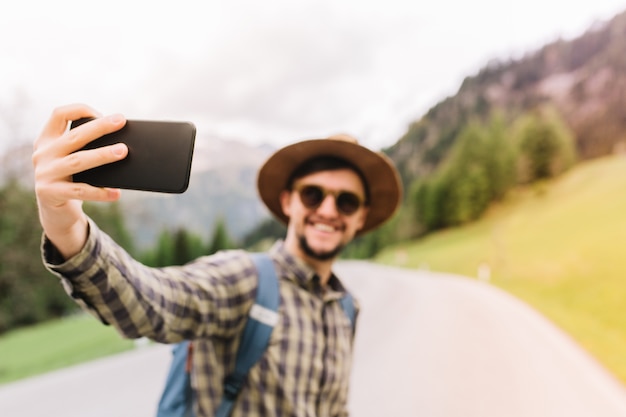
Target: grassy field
(56,344)
(558,246)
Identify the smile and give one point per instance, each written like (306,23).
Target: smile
(323,227)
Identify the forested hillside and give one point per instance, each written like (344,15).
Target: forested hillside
(584,78)
(515,122)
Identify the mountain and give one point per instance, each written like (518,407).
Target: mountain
(222,186)
(584,78)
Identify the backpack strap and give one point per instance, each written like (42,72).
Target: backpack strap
(347,304)
(257,331)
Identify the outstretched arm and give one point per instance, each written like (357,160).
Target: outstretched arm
(55,160)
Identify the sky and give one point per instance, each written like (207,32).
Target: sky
(264,71)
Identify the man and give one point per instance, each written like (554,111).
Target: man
(327,191)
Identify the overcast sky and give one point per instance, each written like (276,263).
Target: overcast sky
(265,71)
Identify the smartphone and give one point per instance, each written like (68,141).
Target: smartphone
(159,157)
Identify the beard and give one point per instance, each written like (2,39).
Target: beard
(319,256)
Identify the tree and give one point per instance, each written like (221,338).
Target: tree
(467,195)
(428,199)
(464,177)
(500,157)
(220,239)
(28,293)
(264,234)
(545,144)
(186,246)
(163,253)
(479,169)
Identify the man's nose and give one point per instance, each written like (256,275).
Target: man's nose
(328,206)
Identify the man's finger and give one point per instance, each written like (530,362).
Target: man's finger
(62,192)
(83,160)
(61,116)
(81,135)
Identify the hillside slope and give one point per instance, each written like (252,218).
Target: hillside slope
(558,246)
(584,78)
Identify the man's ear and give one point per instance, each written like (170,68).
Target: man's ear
(285,202)
(362,218)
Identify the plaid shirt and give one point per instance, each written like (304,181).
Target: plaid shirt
(305,370)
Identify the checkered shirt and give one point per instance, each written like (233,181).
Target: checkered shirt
(303,373)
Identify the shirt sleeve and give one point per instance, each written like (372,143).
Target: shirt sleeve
(206,298)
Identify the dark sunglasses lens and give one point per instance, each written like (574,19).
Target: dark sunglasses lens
(311,196)
(348,203)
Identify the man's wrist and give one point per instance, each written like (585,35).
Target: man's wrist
(69,243)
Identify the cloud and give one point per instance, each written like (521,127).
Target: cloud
(291,74)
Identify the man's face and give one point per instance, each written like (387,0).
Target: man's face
(318,232)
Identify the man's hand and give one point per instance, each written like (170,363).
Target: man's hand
(55,160)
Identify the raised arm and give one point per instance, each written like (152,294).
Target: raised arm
(55,160)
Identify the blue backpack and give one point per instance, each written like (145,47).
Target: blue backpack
(177,397)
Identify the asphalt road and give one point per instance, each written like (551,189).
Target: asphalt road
(427,344)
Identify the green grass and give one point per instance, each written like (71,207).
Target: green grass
(56,344)
(559,246)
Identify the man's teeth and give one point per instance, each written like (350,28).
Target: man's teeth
(324,227)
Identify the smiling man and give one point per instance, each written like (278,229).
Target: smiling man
(322,189)
(327,191)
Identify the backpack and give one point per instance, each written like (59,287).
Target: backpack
(177,397)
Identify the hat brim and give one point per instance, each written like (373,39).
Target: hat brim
(383,182)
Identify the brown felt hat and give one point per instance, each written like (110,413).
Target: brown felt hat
(381,177)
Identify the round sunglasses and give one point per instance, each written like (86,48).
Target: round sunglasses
(312,196)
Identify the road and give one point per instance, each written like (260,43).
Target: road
(427,344)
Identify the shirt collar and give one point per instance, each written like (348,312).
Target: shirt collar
(302,274)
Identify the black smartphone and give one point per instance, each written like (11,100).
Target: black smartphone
(159,157)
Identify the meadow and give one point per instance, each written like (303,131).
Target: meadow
(559,246)
(56,344)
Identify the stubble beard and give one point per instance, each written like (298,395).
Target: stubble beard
(319,256)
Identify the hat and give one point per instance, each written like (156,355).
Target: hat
(379,173)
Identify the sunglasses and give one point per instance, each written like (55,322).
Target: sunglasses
(312,196)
